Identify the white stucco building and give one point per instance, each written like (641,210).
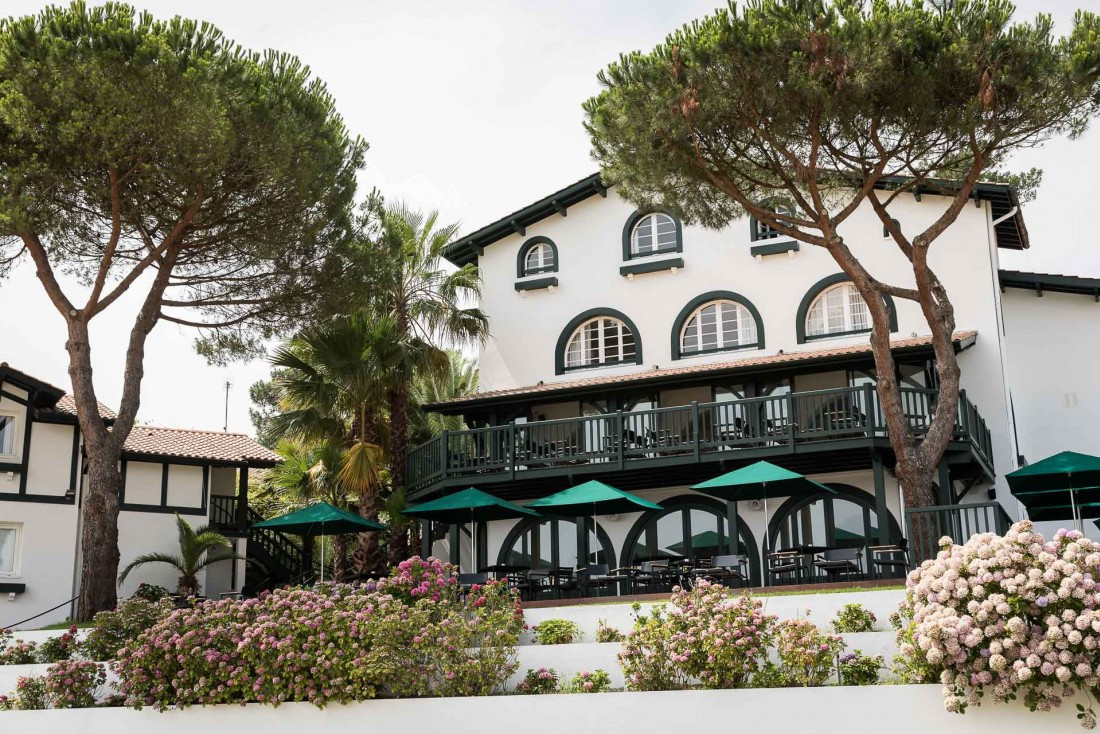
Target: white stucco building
(651,355)
(200,475)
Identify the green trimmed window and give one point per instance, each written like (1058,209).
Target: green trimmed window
(600,341)
(839,309)
(761,230)
(540,258)
(716,326)
(653,234)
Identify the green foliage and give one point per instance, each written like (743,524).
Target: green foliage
(854,618)
(31,693)
(461,379)
(556,632)
(807,656)
(115,629)
(607,633)
(15,653)
(198,548)
(857,669)
(151,592)
(543,680)
(127,141)
(58,648)
(73,684)
(595,681)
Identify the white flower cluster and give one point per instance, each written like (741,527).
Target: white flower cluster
(1013,616)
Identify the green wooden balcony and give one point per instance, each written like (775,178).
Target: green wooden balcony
(701,432)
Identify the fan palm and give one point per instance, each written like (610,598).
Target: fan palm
(461,379)
(198,548)
(429,305)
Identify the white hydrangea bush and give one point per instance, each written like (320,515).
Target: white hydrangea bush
(1009,617)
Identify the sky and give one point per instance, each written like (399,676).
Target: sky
(472,108)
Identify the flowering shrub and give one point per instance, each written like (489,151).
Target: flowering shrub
(709,635)
(31,693)
(56,649)
(607,633)
(74,683)
(556,632)
(543,680)
(1012,616)
(807,656)
(854,618)
(15,653)
(151,592)
(857,669)
(115,629)
(408,635)
(596,681)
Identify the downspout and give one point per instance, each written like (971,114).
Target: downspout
(1011,213)
(79,503)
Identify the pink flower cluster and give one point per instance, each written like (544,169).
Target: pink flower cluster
(1006,615)
(330,644)
(74,683)
(595,681)
(15,653)
(542,680)
(807,656)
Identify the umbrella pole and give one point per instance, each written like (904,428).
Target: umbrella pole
(322,559)
(767,539)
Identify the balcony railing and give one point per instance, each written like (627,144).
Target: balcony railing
(698,429)
(223,510)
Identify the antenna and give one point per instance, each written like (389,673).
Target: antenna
(228,385)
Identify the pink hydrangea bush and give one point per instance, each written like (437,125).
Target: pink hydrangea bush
(15,653)
(1013,616)
(74,684)
(408,635)
(709,635)
(542,680)
(590,681)
(807,656)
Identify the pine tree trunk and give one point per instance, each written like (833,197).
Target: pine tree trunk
(99,538)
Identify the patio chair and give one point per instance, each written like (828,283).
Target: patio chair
(653,576)
(784,564)
(890,561)
(598,576)
(562,581)
(836,562)
(726,570)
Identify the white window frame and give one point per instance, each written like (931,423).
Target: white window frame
(16,571)
(761,230)
(654,219)
(747,335)
(545,261)
(855,316)
(14,453)
(584,344)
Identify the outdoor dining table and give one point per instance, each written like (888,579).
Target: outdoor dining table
(503,570)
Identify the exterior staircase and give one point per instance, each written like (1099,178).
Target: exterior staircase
(278,559)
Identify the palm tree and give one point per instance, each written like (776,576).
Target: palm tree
(198,549)
(429,305)
(460,380)
(332,389)
(312,472)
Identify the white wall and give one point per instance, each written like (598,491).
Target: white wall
(49,534)
(50,466)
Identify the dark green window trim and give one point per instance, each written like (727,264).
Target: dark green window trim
(653,266)
(815,290)
(563,339)
(44,499)
(886,230)
(755,235)
(628,229)
(536,284)
(774,248)
(686,311)
(10,587)
(521,257)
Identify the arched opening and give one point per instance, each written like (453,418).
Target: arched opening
(543,543)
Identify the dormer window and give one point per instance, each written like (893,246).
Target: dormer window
(759,230)
(651,233)
(600,341)
(839,309)
(537,255)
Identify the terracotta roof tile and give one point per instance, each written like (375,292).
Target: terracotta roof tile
(193,444)
(959,337)
(67,405)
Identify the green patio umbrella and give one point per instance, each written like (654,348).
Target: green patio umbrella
(470,505)
(705,539)
(321,519)
(1056,484)
(585,499)
(759,481)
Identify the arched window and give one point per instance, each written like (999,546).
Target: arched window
(759,230)
(844,520)
(839,309)
(689,526)
(651,233)
(549,543)
(600,341)
(718,326)
(537,255)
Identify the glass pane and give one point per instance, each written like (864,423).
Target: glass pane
(567,543)
(642,239)
(860,317)
(690,342)
(705,539)
(848,524)
(7,434)
(670,536)
(7,550)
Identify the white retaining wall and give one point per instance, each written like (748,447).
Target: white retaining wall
(896,709)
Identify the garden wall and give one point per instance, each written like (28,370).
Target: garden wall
(896,709)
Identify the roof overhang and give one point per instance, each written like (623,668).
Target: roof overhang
(849,355)
(1049,282)
(45,394)
(1011,232)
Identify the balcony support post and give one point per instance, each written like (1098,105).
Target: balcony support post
(944,489)
(881,510)
(582,542)
(456,546)
(242,498)
(425,538)
(620,439)
(443,454)
(870,414)
(511,450)
(791,419)
(695,428)
(733,540)
(964,414)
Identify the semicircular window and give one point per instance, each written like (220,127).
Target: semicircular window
(603,340)
(717,326)
(839,309)
(539,258)
(653,234)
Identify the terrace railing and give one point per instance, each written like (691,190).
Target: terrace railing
(924,526)
(223,511)
(695,430)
